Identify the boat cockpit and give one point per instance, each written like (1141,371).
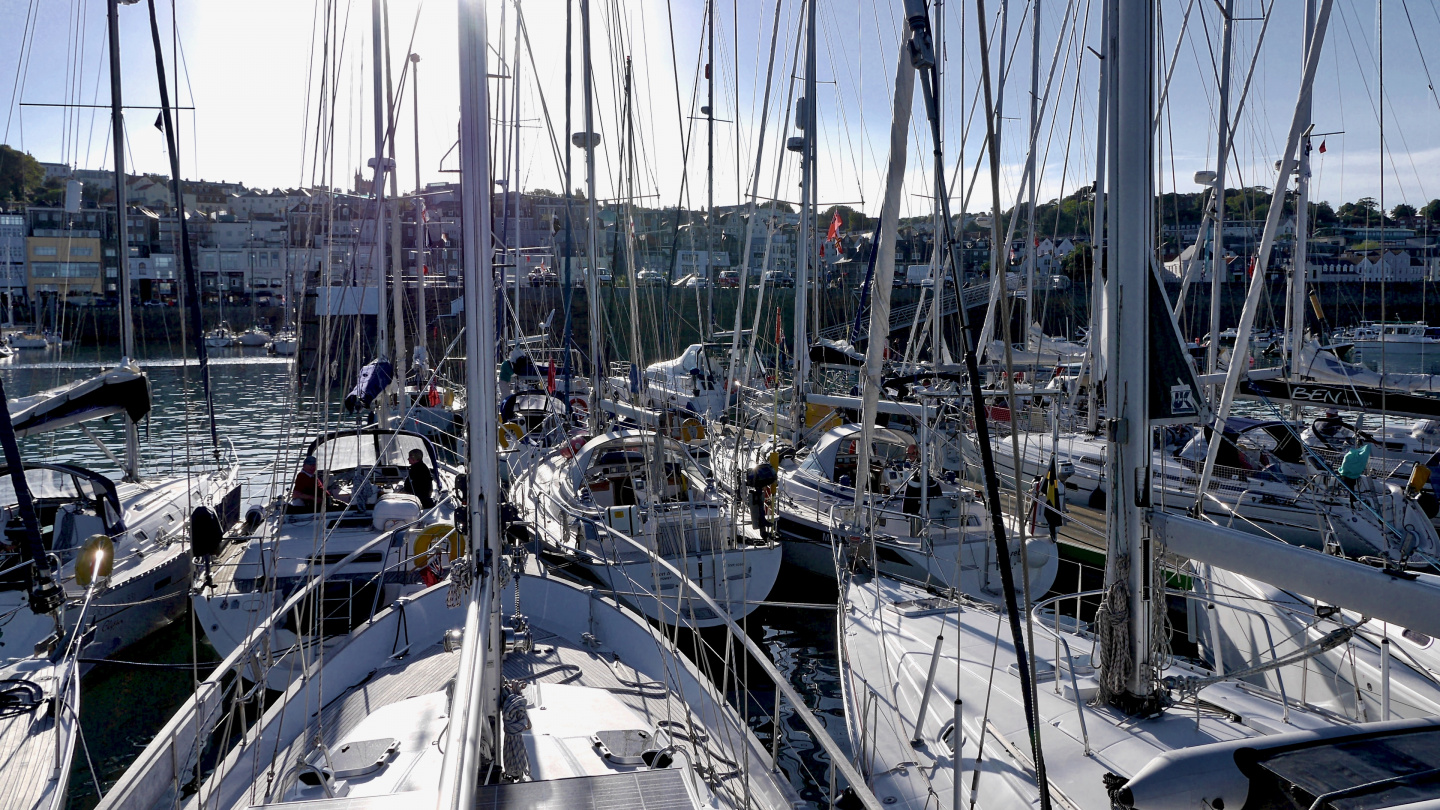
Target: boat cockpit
(71,504)
(358,468)
(623,471)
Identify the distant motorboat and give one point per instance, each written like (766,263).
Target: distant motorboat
(28,340)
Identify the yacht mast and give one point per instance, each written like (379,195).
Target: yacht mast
(422,236)
(190,278)
(1127,664)
(396,280)
(1295,303)
(708,326)
(512,183)
(589,139)
(1222,150)
(1031,238)
(476,688)
(1097,237)
(806,114)
(628,166)
(122,233)
(378,163)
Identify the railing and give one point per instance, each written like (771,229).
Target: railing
(1069,656)
(839,761)
(159,766)
(689,589)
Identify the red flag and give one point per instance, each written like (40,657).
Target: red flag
(1322,147)
(550,377)
(834,233)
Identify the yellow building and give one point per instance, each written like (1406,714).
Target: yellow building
(63,265)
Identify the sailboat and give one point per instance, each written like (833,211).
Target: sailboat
(285,343)
(254,337)
(221,337)
(1112,718)
(502,687)
(376,499)
(89,564)
(628,496)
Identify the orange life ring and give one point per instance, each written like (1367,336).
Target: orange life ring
(579,404)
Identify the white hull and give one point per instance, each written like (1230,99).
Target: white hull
(620,545)
(145,592)
(888,633)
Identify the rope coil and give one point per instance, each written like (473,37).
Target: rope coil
(515,717)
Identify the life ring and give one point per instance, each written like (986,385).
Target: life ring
(579,404)
(436,536)
(510,435)
(570,448)
(691,430)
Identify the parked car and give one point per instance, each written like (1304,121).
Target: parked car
(728,278)
(776,278)
(650,278)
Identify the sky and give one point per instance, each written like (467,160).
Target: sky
(267,78)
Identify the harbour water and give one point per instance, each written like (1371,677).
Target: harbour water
(125,703)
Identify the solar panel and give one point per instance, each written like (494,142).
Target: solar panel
(662,789)
(1366,770)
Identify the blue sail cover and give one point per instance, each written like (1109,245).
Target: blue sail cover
(374,378)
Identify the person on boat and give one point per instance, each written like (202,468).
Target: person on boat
(418,481)
(308,487)
(1328,426)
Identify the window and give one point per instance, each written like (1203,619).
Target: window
(82,251)
(64,270)
(44,251)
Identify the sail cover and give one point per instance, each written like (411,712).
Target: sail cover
(124,389)
(374,378)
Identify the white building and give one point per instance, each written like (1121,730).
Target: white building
(1373,266)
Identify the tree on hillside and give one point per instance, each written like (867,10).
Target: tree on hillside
(1322,214)
(1078,262)
(20,174)
(1402,211)
(1363,212)
(850,219)
(1431,211)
